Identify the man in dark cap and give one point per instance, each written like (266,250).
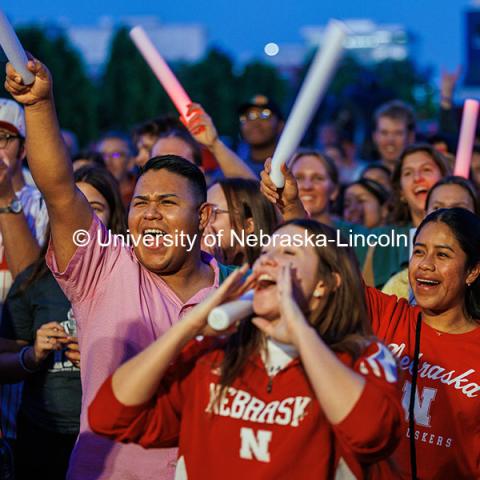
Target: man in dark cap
(261,123)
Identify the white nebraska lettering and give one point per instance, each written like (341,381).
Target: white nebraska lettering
(241,405)
(459,381)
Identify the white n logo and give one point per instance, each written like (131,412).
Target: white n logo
(423,403)
(255,446)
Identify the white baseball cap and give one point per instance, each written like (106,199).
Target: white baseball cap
(12,117)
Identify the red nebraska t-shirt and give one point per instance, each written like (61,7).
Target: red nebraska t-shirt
(447,407)
(256,431)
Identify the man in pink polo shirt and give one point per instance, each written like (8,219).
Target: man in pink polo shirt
(123,297)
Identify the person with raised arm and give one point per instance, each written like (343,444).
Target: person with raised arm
(38,319)
(202,128)
(23,220)
(123,295)
(190,136)
(437,343)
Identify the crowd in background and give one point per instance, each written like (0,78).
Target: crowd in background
(100,370)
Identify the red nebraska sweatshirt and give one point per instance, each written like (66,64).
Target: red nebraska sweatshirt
(447,406)
(264,428)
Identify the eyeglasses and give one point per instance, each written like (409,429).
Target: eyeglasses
(251,115)
(217,211)
(112,155)
(5,139)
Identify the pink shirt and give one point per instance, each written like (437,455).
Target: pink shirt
(120,308)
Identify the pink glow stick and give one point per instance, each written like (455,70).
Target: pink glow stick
(467,138)
(161,70)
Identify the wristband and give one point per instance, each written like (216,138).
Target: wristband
(21,357)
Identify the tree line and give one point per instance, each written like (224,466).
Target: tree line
(126,92)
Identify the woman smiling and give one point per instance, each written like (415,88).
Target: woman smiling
(437,343)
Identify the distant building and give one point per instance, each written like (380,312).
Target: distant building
(472,46)
(470,87)
(367,41)
(176,42)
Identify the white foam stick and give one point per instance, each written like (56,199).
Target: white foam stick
(222,317)
(309,97)
(13,50)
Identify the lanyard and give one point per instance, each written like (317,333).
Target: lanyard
(411,407)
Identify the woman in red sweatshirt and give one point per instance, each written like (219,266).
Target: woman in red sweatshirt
(437,344)
(302,390)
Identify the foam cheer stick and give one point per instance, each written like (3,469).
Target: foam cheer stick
(309,97)
(223,316)
(161,70)
(467,138)
(13,50)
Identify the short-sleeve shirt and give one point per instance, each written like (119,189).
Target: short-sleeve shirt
(120,308)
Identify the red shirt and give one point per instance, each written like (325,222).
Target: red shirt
(257,431)
(447,407)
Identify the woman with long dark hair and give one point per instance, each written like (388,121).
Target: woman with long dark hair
(302,389)
(437,343)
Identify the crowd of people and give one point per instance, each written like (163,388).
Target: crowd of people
(357,361)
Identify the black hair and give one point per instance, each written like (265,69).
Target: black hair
(375,188)
(157,126)
(438,138)
(377,166)
(467,185)
(465,226)
(103,181)
(179,166)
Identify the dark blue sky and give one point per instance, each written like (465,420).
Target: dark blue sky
(239,25)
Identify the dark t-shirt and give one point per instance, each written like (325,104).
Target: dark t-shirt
(256,167)
(51,396)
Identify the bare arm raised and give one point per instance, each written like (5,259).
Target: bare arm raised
(201,126)
(48,160)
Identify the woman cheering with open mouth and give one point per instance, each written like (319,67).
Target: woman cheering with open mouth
(302,390)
